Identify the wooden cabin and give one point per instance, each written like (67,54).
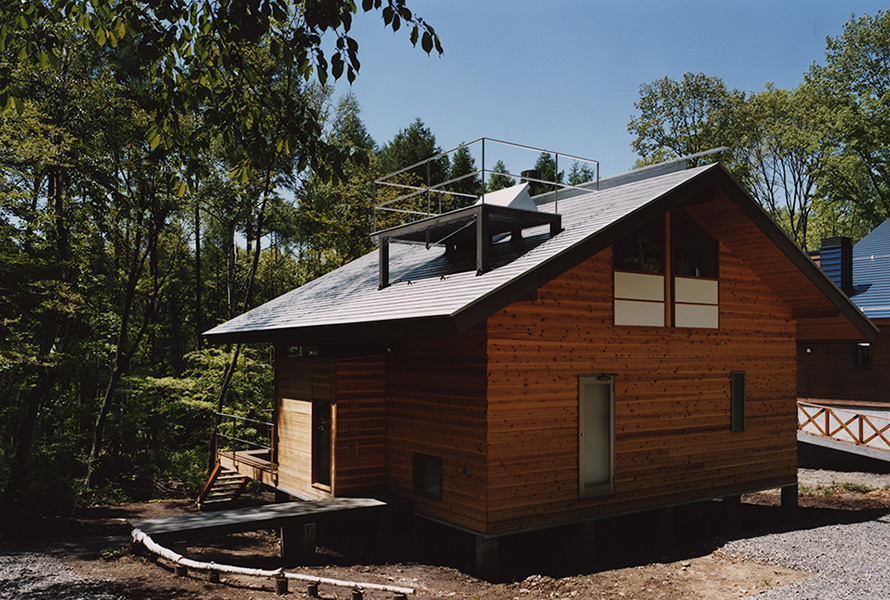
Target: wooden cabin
(833,367)
(617,350)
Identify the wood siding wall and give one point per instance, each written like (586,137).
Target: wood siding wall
(356,389)
(437,406)
(827,372)
(360,427)
(673,439)
(297,384)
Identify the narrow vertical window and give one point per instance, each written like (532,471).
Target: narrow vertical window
(596,434)
(737,394)
(321,442)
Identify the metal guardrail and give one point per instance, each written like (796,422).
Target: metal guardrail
(238,443)
(444,189)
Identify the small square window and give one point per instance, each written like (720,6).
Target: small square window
(427,475)
(862,355)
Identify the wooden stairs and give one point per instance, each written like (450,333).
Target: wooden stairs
(223,486)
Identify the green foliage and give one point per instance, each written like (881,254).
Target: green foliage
(854,87)
(859,488)
(580,173)
(412,145)
(546,166)
(681,118)
(782,151)
(131,139)
(462,169)
(199,58)
(496,181)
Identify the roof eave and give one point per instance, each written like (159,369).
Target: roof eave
(340,332)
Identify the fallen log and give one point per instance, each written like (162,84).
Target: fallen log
(140,537)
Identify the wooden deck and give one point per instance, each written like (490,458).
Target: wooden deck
(255,464)
(854,427)
(269,516)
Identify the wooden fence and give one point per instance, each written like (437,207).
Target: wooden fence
(844,424)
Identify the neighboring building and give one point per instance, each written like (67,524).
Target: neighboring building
(634,351)
(831,367)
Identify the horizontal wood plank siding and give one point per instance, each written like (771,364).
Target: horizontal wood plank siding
(673,438)
(360,414)
(436,405)
(827,371)
(297,383)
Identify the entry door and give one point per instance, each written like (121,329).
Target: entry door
(596,434)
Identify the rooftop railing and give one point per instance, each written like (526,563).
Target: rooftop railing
(417,196)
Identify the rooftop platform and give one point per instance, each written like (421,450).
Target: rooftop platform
(476,225)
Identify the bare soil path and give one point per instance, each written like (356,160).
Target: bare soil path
(87,556)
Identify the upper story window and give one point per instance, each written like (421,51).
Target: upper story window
(643,250)
(695,251)
(665,274)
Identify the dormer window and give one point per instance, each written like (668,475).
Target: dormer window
(683,295)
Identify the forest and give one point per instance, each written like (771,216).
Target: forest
(165,169)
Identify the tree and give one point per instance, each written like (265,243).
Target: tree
(497,181)
(854,84)
(347,127)
(194,58)
(580,173)
(682,118)
(463,167)
(412,145)
(546,166)
(783,153)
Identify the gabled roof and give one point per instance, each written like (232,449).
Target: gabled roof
(433,292)
(871,272)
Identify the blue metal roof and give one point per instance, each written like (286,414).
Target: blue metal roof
(871,273)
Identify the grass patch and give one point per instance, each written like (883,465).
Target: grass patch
(859,488)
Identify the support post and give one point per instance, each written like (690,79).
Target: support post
(281,585)
(487,562)
(732,506)
(312,589)
(383,264)
(483,239)
(297,542)
(180,570)
(789,503)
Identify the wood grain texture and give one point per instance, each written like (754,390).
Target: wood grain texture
(436,405)
(673,439)
(827,371)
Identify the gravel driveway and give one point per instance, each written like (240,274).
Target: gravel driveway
(850,561)
(41,575)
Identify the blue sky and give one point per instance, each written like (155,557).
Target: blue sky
(564,75)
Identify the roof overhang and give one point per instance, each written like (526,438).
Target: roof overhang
(828,303)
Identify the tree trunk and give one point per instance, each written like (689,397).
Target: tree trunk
(99,427)
(198,315)
(220,402)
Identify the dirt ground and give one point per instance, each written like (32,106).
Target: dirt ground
(433,561)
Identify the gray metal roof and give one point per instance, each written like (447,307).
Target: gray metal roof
(432,291)
(871,273)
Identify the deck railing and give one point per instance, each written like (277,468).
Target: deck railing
(245,437)
(844,424)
